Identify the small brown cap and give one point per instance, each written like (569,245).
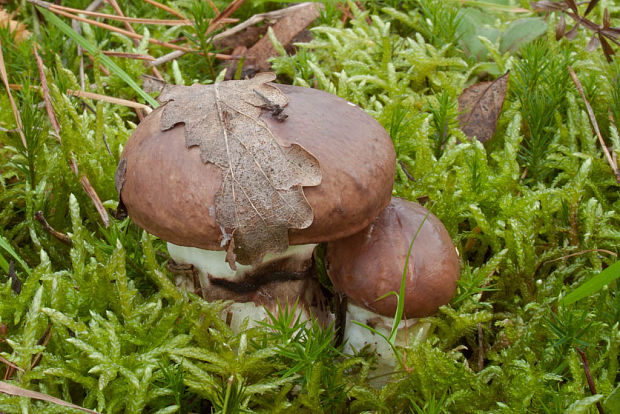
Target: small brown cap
(170,192)
(369,264)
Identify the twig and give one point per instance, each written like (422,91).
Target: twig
(594,123)
(103,213)
(46,95)
(167,58)
(117,17)
(591,385)
(102,68)
(581,253)
(109,99)
(122,31)
(10,364)
(5,80)
(403,166)
(213,6)
(230,9)
(136,56)
(165,8)
(60,236)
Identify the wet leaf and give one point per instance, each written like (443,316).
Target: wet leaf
(572,33)
(593,44)
(522,31)
(261,195)
(480,106)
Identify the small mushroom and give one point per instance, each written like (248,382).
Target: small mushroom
(368,265)
(169,191)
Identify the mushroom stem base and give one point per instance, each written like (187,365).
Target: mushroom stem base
(279,280)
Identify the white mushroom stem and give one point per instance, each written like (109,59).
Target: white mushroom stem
(357,336)
(251,305)
(213,262)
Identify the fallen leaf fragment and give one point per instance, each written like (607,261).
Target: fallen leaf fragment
(285,31)
(11,389)
(480,106)
(18,29)
(261,195)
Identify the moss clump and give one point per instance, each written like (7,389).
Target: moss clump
(534,213)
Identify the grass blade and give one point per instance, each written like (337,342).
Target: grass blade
(593,285)
(401,296)
(4,244)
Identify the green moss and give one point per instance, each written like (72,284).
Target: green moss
(124,338)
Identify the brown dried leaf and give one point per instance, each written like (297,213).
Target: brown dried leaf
(285,31)
(11,389)
(18,29)
(593,44)
(480,106)
(572,33)
(261,195)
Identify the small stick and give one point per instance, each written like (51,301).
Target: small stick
(591,385)
(594,123)
(166,9)
(46,95)
(580,253)
(10,364)
(109,99)
(101,68)
(167,58)
(257,18)
(230,9)
(103,213)
(38,216)
(403,166)
(117,30)
(5,80)
(136,56)
(213,6)
(119,17)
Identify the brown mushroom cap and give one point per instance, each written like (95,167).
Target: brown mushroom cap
(369,264)
(170,192)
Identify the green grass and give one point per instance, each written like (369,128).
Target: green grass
(538,271)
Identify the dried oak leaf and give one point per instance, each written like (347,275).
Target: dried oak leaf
(480,106)
(261,195)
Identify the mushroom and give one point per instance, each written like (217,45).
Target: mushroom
(169,190)
(368,265)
